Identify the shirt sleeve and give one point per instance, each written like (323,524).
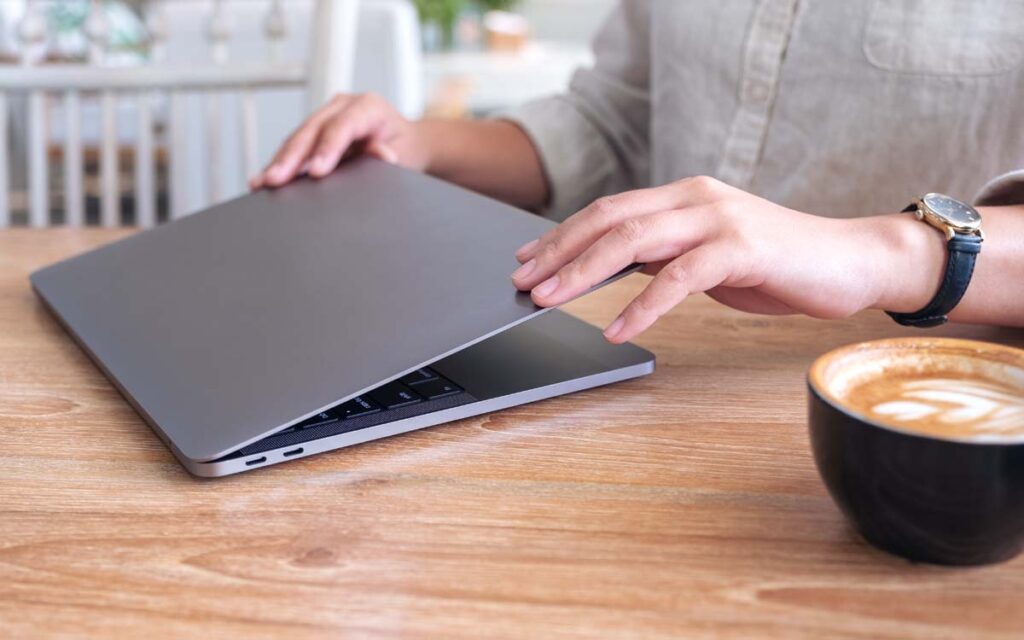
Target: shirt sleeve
(1006,189)
(593,140)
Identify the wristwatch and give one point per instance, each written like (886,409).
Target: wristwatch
(961,224)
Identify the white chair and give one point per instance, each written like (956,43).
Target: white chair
(387,62)
(219,96)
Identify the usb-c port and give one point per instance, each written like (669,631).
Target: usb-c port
(293,452)
(256,461)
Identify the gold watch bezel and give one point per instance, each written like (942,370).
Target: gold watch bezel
(926,214)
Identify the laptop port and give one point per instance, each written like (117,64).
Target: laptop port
(256,461)
(293,452)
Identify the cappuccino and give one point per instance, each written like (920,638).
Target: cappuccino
(940,388)
(920,441)
(942,404)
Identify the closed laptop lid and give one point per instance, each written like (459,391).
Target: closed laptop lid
(232,323)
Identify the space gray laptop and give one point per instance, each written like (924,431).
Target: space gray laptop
(328,313)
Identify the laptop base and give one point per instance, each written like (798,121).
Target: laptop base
(548,356)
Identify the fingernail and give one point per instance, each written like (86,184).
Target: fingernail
(524,270)
(614,328)
(319,164)
(274,171)
(547,287)
(526,248)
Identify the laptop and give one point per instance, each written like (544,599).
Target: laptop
(329,313)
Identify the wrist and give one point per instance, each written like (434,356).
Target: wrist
(493,157)
(444,146)
(910,262)
(423,153)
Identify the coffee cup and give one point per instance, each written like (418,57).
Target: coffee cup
(920,442)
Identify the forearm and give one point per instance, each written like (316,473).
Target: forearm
(493,157)
(915,258)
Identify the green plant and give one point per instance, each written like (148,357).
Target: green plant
(497,5)
(445,13)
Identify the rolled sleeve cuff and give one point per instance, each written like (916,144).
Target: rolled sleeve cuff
(578,163)
(1003,190)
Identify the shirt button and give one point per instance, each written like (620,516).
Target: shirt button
(757,92)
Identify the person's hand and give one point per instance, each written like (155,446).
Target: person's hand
(700,235)
(347,125)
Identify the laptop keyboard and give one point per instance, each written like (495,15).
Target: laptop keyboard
(419,386)
(422,391)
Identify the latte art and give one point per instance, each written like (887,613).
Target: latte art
(943,388)
(984,407)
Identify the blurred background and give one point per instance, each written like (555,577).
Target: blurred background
(117,112)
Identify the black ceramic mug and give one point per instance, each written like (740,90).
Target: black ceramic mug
(942,495)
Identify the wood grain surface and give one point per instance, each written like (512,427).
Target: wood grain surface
(685,504)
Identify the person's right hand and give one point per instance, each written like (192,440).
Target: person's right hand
(348,124)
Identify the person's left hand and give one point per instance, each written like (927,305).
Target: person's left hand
(699,234)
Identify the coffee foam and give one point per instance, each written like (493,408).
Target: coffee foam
(982,407)
(951,389)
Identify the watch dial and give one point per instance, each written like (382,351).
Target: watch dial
(952,211)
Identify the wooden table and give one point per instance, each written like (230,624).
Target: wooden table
(685,504)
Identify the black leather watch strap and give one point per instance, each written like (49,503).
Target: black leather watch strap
(963,253)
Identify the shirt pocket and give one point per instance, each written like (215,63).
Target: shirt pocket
(945,37)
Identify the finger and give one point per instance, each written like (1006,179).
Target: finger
(585,226)
(353,123)
(703,268)
(383,151)
(588,224)
(289,159)
(306,135)
(651,238)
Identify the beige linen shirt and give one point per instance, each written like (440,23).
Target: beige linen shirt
(835,108)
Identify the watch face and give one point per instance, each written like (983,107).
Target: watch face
(952,211)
